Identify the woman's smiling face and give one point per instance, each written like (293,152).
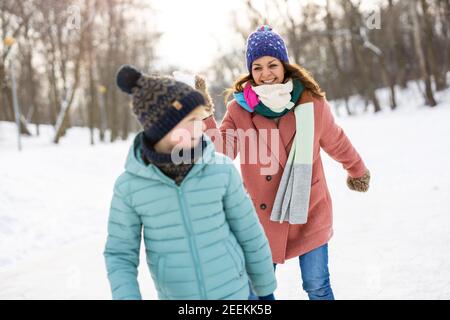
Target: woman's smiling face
(267,70)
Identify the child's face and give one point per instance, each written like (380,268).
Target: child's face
(187,133)
(267,70)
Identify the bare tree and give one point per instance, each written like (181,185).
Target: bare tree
(432,47)
(69,91)
(423,65)
(13,17)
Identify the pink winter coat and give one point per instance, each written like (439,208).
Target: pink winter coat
(288,241)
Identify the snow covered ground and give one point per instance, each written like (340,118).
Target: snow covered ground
(390,243)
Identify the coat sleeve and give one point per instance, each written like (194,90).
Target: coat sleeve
(122,248)
(245,226)
(224,138)
(336,143)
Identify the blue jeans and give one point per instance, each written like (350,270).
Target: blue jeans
(315,276)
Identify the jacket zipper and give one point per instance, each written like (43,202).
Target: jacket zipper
(192,243)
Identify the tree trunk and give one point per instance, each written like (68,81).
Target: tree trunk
(93,99)
(431,46)
(23,122)
(63,117)
(4,106)
(31,84)
(444,9)
(367,86)
(424,72)
(335,55)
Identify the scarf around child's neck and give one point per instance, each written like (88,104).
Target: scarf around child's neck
(165,163)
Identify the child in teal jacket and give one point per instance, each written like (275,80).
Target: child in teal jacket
(202,237)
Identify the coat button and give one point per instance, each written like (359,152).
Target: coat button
(268,178)
(263,206)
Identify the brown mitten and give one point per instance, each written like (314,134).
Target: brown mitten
(200,84)
(360,184)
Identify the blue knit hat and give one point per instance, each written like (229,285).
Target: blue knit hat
(265,42)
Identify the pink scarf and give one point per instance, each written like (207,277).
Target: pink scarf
(250,96)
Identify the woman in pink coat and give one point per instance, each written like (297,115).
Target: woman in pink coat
(278,121)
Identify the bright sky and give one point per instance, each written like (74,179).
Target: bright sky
(192,30)
(195,30)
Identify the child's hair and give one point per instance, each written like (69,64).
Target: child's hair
(293,71)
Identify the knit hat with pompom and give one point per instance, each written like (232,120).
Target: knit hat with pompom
(265,42)
(159,102)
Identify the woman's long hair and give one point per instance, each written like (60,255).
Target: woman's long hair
(292,71)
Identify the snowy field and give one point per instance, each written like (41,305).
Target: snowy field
(390,243)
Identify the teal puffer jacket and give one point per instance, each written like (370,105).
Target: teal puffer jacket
(203,239)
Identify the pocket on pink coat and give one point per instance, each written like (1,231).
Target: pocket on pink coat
(316,194)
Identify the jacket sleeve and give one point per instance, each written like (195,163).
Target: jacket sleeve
(245,226)
(224,138)
(122,248)
(336,143)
